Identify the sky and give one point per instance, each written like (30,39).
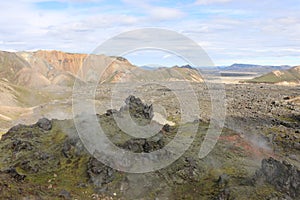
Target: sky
(265,32)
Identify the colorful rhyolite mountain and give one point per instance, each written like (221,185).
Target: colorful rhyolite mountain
(43,68)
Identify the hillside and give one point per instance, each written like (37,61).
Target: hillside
(17,103)
(10,64)
(163,74)
(289,77)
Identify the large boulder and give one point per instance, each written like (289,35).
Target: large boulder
(284,176)
(137,108)
(45,124)
(99,174)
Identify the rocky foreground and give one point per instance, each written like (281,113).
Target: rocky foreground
(47,160)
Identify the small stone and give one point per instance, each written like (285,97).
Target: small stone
(14,174)
(223,180)
(65,194)
(45,124)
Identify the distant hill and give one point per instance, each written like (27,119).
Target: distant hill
(187,67)
(145,67)
(259,69)
(164,74)
(152,66)
(290,76)
(156,66)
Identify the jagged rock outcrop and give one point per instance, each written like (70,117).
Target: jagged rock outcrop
(137,108)
(143,113)
(284,176)
(99,174)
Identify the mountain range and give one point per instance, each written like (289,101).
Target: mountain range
(44,68)
(260,69)
(48,68)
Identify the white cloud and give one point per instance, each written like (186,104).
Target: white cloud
(167,56)
(66,1)
(163,13)
(206,2)
(240,32)
(156,12)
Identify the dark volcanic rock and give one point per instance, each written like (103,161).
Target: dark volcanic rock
(223,180)
(65,194)
(110,112)
(99,174)
(223,195)
(15,128)
(72,146)
(144,145)
(19,145)
(137,108)
(285,177)
(42,155)
(14,174)
(44,124)
(27,166)
(166,127)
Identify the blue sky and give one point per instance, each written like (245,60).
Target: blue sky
(230,31)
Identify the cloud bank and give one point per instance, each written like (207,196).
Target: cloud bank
(262,32)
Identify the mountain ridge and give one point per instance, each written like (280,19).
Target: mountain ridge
(283,77)
(45,68)
(260,69)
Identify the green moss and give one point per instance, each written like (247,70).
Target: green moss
(32,97)
(264,192)
(60,173)
(287,119)
(205,188)
(68,173)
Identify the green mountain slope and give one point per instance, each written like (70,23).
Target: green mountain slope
(290,76)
